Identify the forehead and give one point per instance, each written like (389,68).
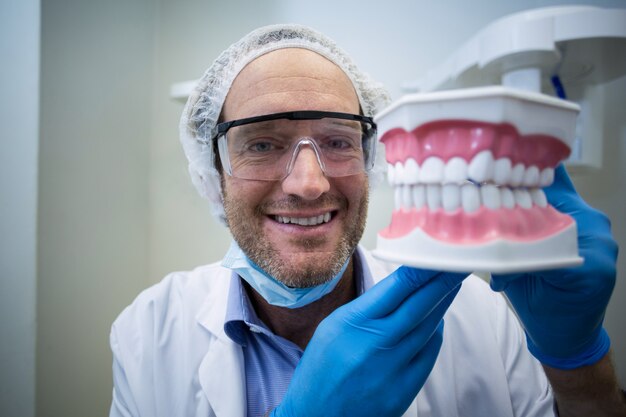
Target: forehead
(289,79)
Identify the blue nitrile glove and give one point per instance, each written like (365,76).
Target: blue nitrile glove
(371,356)
(562,310)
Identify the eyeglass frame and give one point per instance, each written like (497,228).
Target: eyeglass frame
(224,127)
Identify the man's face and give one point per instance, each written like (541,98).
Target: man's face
(299,256)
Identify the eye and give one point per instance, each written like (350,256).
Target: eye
(261,147)
(338,143)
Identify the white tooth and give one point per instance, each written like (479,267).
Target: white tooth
(399,173)
(470,197)
(326,217)
(407,198)
(531,177)
(319,219)
(432,170)
(539,197)
(517,175)
(455,170)
(481,167)
(490,195)
(433,196)
(451,197)
(546,177)
(411,171)
(397,194)
(502,171)
(507,198)
(391,174)
(419,195)
(303,222)
(522,198)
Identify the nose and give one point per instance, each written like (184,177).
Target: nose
(306,179)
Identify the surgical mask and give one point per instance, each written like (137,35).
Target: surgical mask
(273,291)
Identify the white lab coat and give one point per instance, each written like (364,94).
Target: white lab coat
(171,356)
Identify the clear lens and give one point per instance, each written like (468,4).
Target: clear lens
(267,150)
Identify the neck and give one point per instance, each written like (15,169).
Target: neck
(299,324)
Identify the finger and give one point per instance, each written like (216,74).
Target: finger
(425,306)
(499,282)
(420,366)
(417,335)
(386,296)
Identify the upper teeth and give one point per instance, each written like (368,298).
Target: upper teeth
(482,168)
(305,221)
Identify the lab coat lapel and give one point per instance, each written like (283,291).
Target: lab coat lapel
(222,379)
(221,373)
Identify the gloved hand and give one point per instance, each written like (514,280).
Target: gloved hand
(371,356)
(562,310)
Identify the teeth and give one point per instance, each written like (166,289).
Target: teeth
(399,173)
(502,171)
(433,196)
(406,197)
(455,170)
(470,197)
(451,197)
(419,196)
(397,197)
(490,196)
(481,167)
(546,177)
(432,170)
(304,221)
(507,198)
(531,177)
(539,197)
(391,174)
(411,172)
(517,175)
(523,199)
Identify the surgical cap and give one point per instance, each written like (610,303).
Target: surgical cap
(202,111)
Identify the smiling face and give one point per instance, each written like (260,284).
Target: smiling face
(300,230)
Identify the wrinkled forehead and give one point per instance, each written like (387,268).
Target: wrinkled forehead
(289,79)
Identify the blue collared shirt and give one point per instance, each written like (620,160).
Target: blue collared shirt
(270,360)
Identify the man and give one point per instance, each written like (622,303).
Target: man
(297,320)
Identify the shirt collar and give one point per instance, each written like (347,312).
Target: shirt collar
(240,315)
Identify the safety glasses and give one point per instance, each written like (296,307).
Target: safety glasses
(266,147)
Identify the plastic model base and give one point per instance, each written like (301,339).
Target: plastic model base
(468,168)
(499,256)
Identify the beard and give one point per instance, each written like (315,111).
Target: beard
(307,268)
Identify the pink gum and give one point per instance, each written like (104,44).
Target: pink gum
(464,138)
(484,225)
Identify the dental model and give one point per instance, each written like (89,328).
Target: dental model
(467,168)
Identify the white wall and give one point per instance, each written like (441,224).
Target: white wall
(96,105)
(19,128)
